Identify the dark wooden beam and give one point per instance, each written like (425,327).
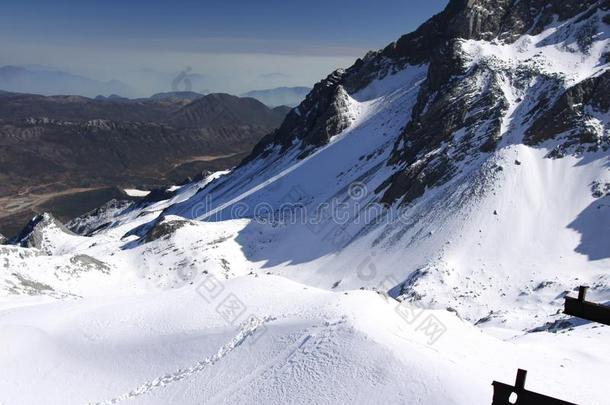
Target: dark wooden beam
(505,394)
(591,311)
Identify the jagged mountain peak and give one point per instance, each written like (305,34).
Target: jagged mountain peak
(438,43)
(440,140)
(475,86)
(40,233)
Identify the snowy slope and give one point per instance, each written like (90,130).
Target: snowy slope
(303,345)
(511,230)
(471,179)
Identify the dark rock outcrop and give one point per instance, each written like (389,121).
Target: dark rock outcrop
(569,114)
(98,218)
(429,147)
(164,228)
(454,100)
(314,121)
(32,235)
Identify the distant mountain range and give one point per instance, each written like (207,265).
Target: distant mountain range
(290,96)
(219,110)
(49,82)
(177,95)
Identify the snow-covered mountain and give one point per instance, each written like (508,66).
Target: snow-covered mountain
(463,170)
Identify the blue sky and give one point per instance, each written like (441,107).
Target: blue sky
(236,44)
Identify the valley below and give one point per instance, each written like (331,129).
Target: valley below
(69,155)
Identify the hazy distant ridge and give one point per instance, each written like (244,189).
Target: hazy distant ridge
(290,96)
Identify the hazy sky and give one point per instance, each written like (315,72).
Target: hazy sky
(236,45)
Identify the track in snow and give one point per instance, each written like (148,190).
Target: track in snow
(246,330)
(276,364)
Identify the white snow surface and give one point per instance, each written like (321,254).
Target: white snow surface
(134,192)
(126,315)
(304,345)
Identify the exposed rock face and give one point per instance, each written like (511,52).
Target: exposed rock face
(469,102)
(600,189)
(507,19)
(462,107)
(164,227)
(99,218)
(2,239)
(88,263)
(429,147)
(436,43)
(33,235)
(309,122)
(573,115)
